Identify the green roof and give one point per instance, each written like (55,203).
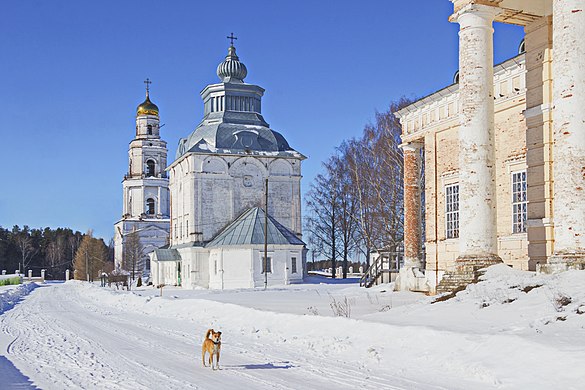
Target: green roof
(248,229)
(167,255)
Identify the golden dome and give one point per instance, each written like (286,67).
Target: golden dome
(147,107)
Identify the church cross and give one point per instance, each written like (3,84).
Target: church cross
(147,82)
(231,38)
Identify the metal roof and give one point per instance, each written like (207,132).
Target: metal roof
(167,255)
(248,229)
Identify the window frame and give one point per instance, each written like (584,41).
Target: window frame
(519,201)
(452,211)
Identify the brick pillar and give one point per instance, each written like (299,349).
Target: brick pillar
(569,132)
(477,202)
(412,203)
(411,276)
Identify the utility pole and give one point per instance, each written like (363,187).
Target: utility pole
(266,237)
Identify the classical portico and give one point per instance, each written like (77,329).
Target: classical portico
(504,148)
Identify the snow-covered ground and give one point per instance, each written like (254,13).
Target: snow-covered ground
(514,330)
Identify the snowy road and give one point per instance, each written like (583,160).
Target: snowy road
(60,339)
(511,331)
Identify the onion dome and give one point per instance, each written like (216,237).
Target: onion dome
(231,69)
(147,107)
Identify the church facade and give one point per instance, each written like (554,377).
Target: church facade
(218,185)
(145,189)
(503,150)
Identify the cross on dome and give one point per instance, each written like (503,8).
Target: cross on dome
(147,82)
(231,37)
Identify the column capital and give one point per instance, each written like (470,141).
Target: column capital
(475,15)
(411,146)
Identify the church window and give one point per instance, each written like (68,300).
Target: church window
(215,267)
(267,265)
(293,261)
(519,202)
(452,210)
(150,206)
(149,129)
(150,165)
(212,104)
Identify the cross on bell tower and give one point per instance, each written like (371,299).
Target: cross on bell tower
(231,37)
(147,82)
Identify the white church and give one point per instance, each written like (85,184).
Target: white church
(217,196)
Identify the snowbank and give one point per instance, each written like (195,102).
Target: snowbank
(12,294)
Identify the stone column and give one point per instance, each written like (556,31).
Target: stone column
(412,203)
(569,133)
(410,276)
(477,199)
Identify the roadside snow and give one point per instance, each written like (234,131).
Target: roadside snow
(513,330)
(10,295)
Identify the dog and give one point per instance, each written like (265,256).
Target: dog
(211,345)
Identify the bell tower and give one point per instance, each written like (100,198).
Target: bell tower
(145,207)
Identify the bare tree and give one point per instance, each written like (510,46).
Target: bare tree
(73,243)
(25,247)
(323,222)
(346,205)
(133,257)
(90,258)
(55,251)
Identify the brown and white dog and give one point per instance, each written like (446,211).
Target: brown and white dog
(211,345)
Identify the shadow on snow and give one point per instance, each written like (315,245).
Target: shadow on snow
(11,377)
(265,366)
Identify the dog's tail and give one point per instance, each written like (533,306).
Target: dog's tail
(209,331)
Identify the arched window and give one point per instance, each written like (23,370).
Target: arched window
(150,206)
(522,47)
(149,129)
(150,168)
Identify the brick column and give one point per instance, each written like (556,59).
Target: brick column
(411,276)
(477,202)
(569,132)
(412,204)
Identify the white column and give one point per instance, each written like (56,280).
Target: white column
(477,199)
(158,206)
(569,130)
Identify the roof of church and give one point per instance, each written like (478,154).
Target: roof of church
(248,229)
(233,122)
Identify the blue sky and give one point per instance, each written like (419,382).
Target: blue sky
(71,76)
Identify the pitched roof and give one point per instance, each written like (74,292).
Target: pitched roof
(167,254)
(248,229)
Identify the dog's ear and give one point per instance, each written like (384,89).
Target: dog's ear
(219,333)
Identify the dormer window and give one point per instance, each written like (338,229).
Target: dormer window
(150,165)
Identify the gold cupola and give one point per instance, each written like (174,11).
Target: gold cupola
(147,107)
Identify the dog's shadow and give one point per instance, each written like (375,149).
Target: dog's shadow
(265,366)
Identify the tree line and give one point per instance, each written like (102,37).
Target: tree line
(54,250)
(355,204)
